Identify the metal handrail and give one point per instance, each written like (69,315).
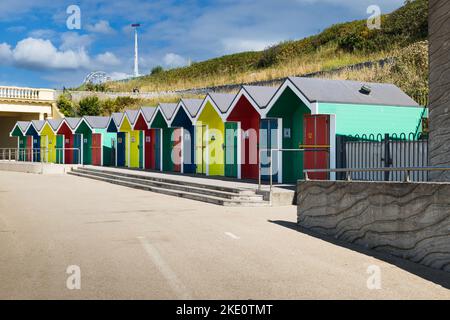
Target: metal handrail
(14,154)
(348,171)
(75,149)
(315,149)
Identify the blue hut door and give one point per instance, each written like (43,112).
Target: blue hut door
(188,150)
(121,149)
(36,149)
(77,148)
(269,140)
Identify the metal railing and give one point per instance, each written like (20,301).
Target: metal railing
(270,157)
(348,171)
(9,154)
(378,150)
(60,153)
(23,154)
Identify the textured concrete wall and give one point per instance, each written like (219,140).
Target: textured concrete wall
(408,220)
(439,39)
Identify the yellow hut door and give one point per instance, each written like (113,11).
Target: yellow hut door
(200,148)
(45,149)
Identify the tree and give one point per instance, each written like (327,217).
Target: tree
(89,106)
(66,106)
(109,106)
(157,70)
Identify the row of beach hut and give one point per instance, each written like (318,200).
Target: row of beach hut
(229,134)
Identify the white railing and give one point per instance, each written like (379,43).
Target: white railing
(27,93)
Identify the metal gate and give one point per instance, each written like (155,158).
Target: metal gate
(378,151)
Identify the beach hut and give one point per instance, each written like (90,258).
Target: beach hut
(182,124)
(159,121)
(210,134)
(148,155)
(98,144)
(24,143)
(120,151)
(310,113)
(33,131)
(132,138)
(49,141)
(244,139)
(68,142)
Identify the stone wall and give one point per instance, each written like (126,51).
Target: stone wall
(408,220)
(439,39)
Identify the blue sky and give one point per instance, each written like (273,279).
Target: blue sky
(37,49)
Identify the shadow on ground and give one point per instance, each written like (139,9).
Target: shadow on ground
(439,277)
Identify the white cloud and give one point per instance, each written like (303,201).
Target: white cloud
(42,33)
(75,41)
(42,54)
(174,60)
(5,53)
(16,29)
(119,76)
(100,27)
(240,45)
(107,59)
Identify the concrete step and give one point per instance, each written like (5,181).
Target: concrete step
(170,180)
(172,186)
(170,192)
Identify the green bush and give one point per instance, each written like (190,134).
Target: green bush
(108,106)
(122,103)
(156,70)
(89,106)
(66,106)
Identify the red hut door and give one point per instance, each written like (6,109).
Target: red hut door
(152,149)
(96,149)
(177,149)
(316,138)
(148,149)
(29,149)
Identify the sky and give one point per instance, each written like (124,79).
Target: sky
(43,45)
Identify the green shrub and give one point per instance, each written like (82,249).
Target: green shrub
(66,106)
(108,106)
(156,70)
(89,106)
(122,103)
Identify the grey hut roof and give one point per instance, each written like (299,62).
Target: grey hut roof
(97,122)
(54,123)
(132,115)
(222,100)
(192,105)
(117,118)
(73,122)
(38,124)
(23,125)
(148,113)
(345,91)
(168,109)
(261,94)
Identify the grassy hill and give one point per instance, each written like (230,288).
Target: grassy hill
(339,45)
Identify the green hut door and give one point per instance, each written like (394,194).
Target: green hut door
(60,148)
(231,149)
(22,147)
